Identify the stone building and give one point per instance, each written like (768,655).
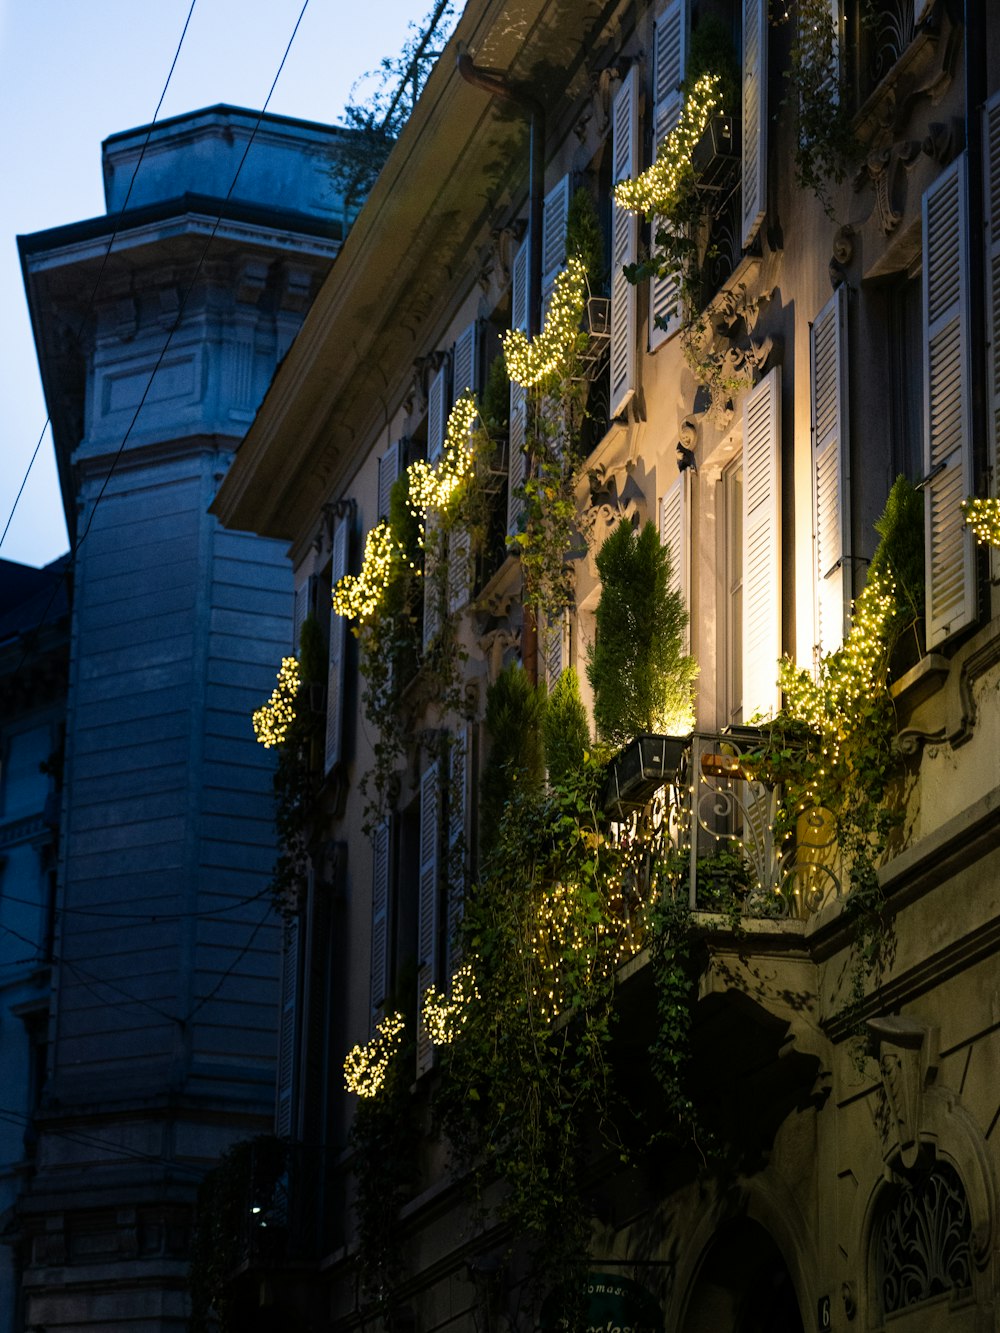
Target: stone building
(158,328)
(837,337)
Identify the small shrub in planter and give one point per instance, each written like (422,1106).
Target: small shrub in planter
(643,681)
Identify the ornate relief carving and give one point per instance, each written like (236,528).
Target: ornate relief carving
(907,1057)
(924,1242)
(885,167)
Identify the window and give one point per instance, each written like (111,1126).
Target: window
(732,611)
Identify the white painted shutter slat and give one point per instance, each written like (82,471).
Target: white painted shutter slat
(554,649)
(338,648)
(464,363)
(432,592)
(459,570)
(624,246)
(754,203)
(381,868)
(427,905)
(669,60)
(458,842)
(828,390)
(437,413)
(675,533)
(299,613)
(991,178)
(389,466)
(288,1029)
(950,559)
(761,545)
(517,460)
(555,210)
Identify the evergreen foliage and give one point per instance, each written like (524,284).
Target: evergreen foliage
(585,239)
(641,677)
(565,728)
(514,710)
(901,551)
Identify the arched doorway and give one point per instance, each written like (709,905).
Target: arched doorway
(742,1286)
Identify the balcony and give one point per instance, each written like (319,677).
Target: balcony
(694,804)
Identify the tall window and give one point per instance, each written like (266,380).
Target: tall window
(732,567)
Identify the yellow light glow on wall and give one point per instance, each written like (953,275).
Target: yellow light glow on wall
(271,723)
(366,1067)
(531,362)
(983,517)
(659,189)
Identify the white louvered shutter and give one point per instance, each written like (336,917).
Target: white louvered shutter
(389,466)
(830,483)
(624,245)
(555,211)
(517,465)
(762,546)
(950,559)
(299,613)
(465,363)
(669,60)
(459,568)
(754,118)
(432,591)
(427,905)
(437,412)
(338,651)
(459,764)
(555,647)
(675,512)
(991,184)
(288,1030)
(381,870)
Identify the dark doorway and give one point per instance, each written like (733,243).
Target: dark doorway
(743,1286)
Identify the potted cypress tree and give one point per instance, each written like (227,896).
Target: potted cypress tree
(643,681)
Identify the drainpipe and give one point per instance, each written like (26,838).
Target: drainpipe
(491,81)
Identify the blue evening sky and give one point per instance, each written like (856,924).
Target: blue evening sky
(74,71)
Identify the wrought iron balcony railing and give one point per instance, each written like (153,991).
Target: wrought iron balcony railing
(695,803)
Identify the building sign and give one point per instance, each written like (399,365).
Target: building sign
(611,1305)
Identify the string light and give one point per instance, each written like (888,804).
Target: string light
(431,489)
(662,186)
(366,1067)
(983,517)
(827,702)
(271,723)
(532,361)
(445,1018)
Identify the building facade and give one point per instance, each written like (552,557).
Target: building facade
(833,332)
(158,328)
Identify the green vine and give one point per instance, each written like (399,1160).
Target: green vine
(825,143)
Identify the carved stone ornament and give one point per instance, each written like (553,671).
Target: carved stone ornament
(497,260)
(885,167)
(614,495)
(495,646)
(907,1054)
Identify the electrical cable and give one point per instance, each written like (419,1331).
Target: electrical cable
(124,1153)
(173,328)
(106,256)
(205,915)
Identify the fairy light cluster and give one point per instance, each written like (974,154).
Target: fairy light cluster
(660,188)
(271,723)
(532,361)
(366,1067)
(433,488)
(445,1018)
(828,702)
(359,596)
(983,517)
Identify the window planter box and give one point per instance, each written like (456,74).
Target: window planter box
(640,769)
(716,154)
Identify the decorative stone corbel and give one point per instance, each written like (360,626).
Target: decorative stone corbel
(494,646)
(907,1054)
(885,171)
